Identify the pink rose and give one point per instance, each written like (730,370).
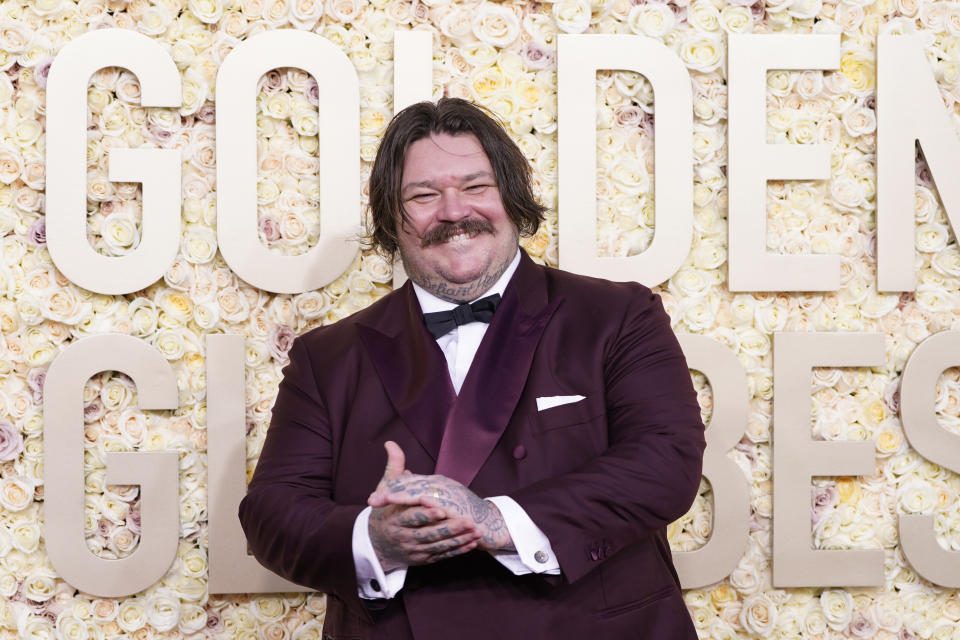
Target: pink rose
(37,234)
(822,500)
(269,229)
(35,380)
(11,441)
(536,56)
(280,341)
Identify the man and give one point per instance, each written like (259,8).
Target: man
(532,463)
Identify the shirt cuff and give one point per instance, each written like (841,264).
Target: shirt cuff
(534,553)
(372,582)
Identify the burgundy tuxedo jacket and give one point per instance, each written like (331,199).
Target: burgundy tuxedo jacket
(601,477)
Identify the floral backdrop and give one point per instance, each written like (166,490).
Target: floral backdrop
(502,56)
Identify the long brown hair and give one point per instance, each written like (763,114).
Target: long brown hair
(452,116)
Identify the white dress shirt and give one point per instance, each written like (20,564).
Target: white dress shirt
(534,553)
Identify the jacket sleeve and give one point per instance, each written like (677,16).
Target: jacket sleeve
(650,472)
(293,525)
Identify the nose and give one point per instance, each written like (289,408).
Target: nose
(453,206)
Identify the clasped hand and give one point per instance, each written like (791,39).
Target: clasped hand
(419,519)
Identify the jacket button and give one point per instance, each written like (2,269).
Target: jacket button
(519,452)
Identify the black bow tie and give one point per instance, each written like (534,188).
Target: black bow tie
(443,322)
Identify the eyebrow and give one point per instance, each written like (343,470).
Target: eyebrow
(430,184)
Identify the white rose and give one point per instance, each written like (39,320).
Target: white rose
(267,609)
(690,282)
(917,497)
(69,627)
(846,193)
(193,618)
(703,16)
(195,92)
(26,133)
(234,306)
(30,627)
(305,13)
(745,578)
(206,11)
(194,563)
(11,164)
(702,52)
(859,121)
(131,615)
(16,493)
(9,584)
(199,244)
(804,9)
(736,19)
(572,16)
(758,614)
(496,25)
(26,536)
(162,610)
(170,343)
(120,233)
(39,587)
(931,237)
(837,607)
(15,36)
(309,631)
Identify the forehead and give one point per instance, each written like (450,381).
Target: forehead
(443,155)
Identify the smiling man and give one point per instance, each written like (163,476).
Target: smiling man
(495,449)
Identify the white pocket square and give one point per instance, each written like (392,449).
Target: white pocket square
(548,402)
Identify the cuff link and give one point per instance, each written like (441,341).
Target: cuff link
(541,557)
(375,585)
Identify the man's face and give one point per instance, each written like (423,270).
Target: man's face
(459,239)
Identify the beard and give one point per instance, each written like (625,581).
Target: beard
(446,230)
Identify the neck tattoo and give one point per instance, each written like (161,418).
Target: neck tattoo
(461,292)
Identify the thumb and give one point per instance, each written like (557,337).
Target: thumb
(396,461)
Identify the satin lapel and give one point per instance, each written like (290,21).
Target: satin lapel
(412,369)
(497,375)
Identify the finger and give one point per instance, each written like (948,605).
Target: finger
(418,517)
(445,530)
(446,545)
(396,461)
(452,553)
(402,499)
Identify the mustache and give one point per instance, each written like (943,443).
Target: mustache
(445,230)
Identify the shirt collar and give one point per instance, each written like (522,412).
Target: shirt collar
(430,303)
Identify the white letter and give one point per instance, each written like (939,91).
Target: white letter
(752,162)
(934,443)
(237,161)
(717,559)
(156,472)
(157,169)
(579,58)
(909,108)
(797,458)
(232,570)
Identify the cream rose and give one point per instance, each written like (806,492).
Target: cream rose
(702,52)
(572,16)
(758,614)
(496,25)
(162,610)
(193,618)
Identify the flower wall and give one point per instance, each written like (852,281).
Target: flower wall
(502,55)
